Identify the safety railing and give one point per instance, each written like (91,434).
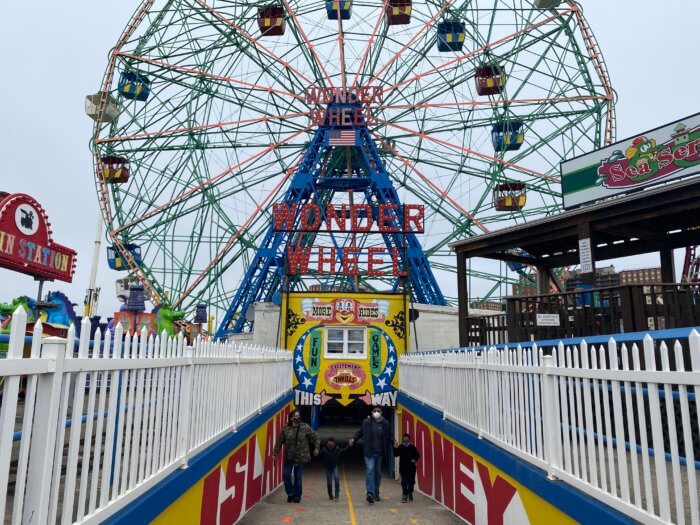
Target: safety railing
(83,433)
(617,420)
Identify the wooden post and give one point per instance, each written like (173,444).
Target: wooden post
(544,283)
(668,268)
(586,256)
(462,299)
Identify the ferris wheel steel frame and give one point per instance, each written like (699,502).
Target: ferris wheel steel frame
(246,236)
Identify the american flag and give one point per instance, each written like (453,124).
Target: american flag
(342,137)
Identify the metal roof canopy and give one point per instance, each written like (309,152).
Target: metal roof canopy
(658,219)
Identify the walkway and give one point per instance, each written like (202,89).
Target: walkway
(352,508)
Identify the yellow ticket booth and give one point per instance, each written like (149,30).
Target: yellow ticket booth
(346,346)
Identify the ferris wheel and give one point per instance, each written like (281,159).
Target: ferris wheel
(204,118)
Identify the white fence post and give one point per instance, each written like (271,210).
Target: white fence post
(183,429)
(43,438)
(10,393)
(550,421)
(444,388)
(422,383)
(262,381)
(478,359)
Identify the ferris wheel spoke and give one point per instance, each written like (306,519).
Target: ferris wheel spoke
(470,151)
(478,51)
(448,86)
(442,194)
(255,41)
(260,207)
(192,191)
(510,102)
(216,272)
(415,37)
(194,164)
(297,25)
(187,207)
(200,73)
(341,48)
(368,47)
(204,127)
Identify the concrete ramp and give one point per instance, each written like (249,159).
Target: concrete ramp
(352,507)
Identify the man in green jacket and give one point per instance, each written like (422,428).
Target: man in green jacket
(297,437)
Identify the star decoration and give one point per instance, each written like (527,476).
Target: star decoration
(298,359)
(389,371)
(391,360)
(307,381)
(301,370)
(381,383)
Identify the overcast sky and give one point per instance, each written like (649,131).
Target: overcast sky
(53,55)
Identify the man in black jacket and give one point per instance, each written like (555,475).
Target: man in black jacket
(330,458)
(377,434)
(408,457)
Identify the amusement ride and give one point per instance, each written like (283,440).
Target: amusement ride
(211,112)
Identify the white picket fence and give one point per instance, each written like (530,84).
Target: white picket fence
(617,421)
(102,426)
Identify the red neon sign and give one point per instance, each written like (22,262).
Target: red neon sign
(25,241)
(346,218)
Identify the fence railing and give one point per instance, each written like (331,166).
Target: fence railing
(618,421)
(605,310)
(96,428)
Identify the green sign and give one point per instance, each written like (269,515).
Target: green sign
(654,157)
(315,351)
(375,351)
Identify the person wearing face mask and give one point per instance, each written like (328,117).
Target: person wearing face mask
(296,437)
(408,457)
(330,458)
(377,434)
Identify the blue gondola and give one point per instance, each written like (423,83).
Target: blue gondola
(134,86)
(450,36)
(344,6)
(507,135)
(117,262)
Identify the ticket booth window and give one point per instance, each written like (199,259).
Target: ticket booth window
(345,342)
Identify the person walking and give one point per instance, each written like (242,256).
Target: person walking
(330,457)
(377,434)
(408,457)
(296,437)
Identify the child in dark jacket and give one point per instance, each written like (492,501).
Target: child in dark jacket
(408,457)
(330,458)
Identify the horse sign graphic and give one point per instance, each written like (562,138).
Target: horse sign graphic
(25,241)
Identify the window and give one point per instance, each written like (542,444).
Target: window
(345,342)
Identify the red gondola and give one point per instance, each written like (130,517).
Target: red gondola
(490,80)
(115,170)
(509,196)
(398,12)
(271,20)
